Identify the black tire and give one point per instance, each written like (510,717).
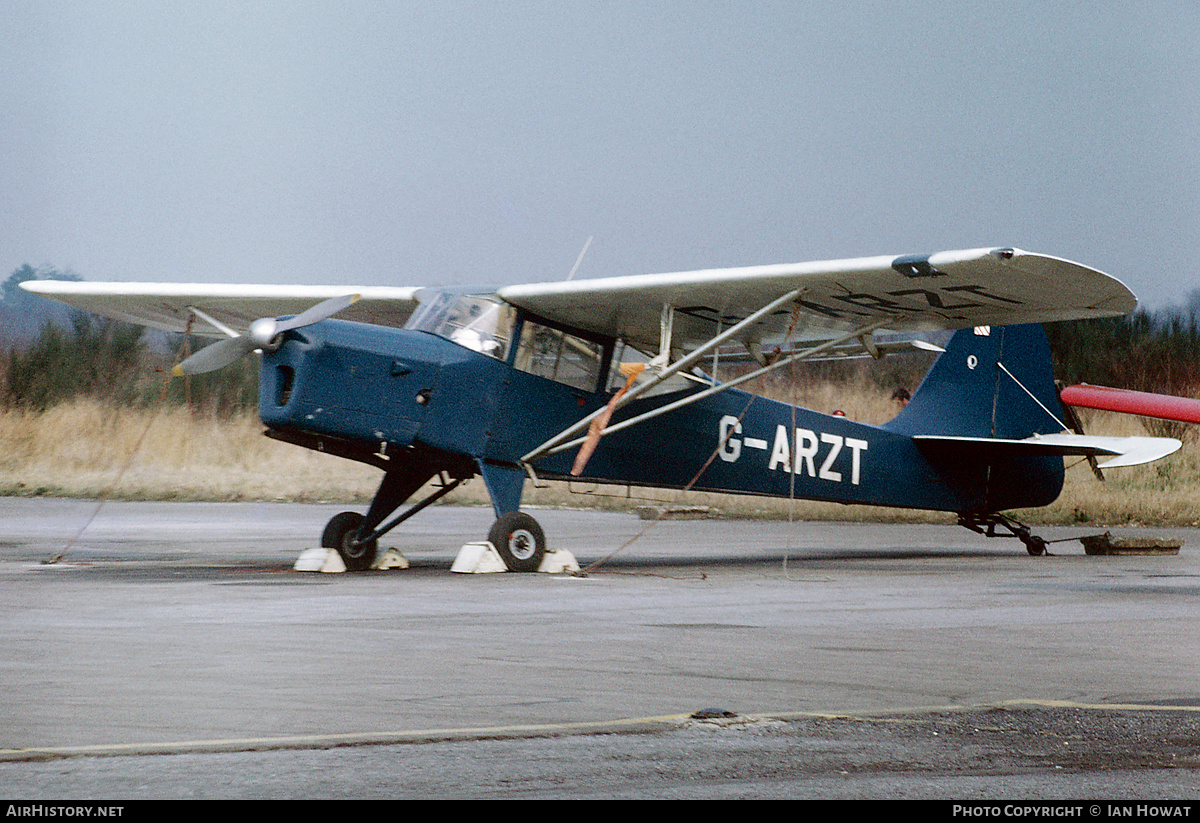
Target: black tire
(340,533)
(1036,546)
(520,541)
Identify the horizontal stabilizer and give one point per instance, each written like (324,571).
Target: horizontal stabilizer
(1125,451)
(1163,406)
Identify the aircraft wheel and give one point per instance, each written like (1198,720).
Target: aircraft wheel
(1036,546)
(520,541)
(340,533)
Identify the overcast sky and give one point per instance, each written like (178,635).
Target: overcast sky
(434,143)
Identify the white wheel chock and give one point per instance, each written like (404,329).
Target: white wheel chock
(478,558)
(482,558)
(330,562)
(390,559)
(559,562)
(320,560)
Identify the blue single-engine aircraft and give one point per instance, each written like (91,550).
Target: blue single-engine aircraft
(598,379)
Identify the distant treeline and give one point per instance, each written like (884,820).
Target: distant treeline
(1145,351)
(77,354)
(116,363)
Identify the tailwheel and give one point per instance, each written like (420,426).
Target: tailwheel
(1035,545)
(341,533)
(520,541)
(986,525)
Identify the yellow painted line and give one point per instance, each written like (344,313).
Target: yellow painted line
(1124,707)
(322,741)
(916,711)
(622,725)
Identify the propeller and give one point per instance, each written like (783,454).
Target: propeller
(262,334)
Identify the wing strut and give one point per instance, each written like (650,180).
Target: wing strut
(216,324)
(666,371)
(687,401)
(779,363)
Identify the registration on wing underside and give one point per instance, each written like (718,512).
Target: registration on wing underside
(951,303)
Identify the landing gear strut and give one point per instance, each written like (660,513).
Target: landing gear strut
(356,537)
(986,524)
(516,536)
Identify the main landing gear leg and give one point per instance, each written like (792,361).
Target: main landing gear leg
(356,536)
(352,534)
(517,537)
(986,524)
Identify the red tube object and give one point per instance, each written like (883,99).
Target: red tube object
(1164,406)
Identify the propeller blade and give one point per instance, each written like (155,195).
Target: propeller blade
(261,333)
(322,311)
(217,356)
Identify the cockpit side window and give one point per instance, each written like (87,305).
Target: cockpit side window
(478,323)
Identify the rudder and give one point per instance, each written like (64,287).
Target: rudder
(989,382)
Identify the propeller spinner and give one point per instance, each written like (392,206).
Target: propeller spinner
(261,335)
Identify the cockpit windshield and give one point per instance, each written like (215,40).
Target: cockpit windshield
(481,324)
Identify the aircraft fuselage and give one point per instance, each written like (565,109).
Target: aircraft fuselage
(387,391)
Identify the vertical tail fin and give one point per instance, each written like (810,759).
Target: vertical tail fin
(989,382)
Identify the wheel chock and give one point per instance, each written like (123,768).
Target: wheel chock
(390,559)
(478,558)
(320,560)
(558,562)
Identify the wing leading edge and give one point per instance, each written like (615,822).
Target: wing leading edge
(947,290)
(169,306)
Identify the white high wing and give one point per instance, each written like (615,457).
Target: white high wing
(947,290)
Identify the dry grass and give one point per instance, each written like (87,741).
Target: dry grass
(82,449)
(1163,493)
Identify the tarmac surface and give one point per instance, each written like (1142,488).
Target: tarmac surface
(175,653)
